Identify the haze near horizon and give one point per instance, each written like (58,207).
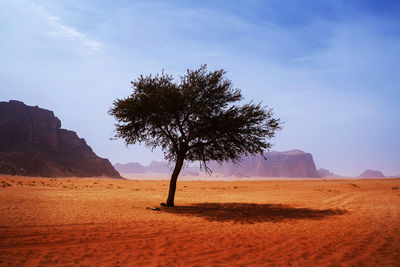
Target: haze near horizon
(329,70)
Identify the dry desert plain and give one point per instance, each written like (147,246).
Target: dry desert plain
(105,222)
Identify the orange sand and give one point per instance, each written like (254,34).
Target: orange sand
(106,222)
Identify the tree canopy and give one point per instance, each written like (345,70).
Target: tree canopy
(198,118)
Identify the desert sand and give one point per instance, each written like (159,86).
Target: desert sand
(105,222)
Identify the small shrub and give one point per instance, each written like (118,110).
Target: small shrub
(5,184)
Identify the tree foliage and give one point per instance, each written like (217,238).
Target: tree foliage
(198,118)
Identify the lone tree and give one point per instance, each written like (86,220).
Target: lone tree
(193,120)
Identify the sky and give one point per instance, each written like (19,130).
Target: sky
(328,69)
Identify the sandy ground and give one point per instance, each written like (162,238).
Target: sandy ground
(104,222)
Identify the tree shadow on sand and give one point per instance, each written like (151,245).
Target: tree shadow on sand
(247,213)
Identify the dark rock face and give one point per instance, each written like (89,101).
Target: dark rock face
(33,143)
(371,174)
(293,163)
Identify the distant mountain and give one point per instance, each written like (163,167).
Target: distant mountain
(131,167)
(371,174)
(32,143)
(135,167)
(325,173)
(293,163)
(159,167)
(153,167)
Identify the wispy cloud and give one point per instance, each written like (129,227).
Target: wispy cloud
(58,30)
(61,31)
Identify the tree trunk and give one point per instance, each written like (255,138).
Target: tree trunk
(174,178)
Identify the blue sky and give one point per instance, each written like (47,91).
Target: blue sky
(329,69)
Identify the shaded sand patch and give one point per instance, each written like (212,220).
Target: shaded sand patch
(251,212)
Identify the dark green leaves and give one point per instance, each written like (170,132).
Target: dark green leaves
(198,119)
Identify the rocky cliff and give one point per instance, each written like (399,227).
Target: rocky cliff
(293,163)
(32,143)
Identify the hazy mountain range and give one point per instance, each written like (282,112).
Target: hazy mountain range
(293,163)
